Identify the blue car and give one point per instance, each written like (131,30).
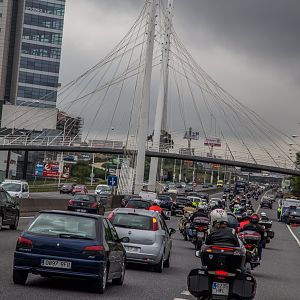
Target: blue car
(70,244)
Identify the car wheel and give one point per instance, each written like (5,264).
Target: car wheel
(20,277)
(120,280)
(100,285)
(167,263)
(1,221)
(15,225)
(160,266)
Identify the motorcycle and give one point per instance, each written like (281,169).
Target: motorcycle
(251,240)
(197,231)
(220,276)
(269,233)
(183,225)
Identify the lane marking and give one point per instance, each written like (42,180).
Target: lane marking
(293,234)
(179,299)
(26,217)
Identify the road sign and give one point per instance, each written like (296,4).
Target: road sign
(112,180)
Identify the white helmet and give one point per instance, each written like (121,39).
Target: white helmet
(218,216)
(156,201)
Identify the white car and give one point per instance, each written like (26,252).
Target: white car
(16,188)
(103,189)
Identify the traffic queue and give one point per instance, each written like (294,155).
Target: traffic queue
(228,237)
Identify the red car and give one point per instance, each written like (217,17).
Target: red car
(79,189)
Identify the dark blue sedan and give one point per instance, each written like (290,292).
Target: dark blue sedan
(69,244)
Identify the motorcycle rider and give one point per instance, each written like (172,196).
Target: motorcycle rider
(199,213)
(156,207)
(254,226)
(220,233)
(263,217)
(245,221)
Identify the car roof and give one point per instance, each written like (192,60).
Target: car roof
(142,212)
(71,213)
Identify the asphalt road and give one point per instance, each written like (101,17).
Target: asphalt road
(278,277)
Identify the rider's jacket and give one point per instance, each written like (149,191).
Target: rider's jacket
(222,236)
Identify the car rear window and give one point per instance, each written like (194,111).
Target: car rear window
(84,198)
(182,200)
(138,204)
(63,225)
(133,221)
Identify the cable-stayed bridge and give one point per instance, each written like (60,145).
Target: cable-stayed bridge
(148,94)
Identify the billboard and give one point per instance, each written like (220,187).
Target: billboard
(52,170)
(212,142)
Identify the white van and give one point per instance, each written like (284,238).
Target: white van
(16,188)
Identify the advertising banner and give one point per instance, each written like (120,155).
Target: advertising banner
(212,142)
(52,170)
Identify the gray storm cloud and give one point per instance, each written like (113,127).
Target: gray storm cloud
(250,47)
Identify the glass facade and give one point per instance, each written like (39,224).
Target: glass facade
(40,52)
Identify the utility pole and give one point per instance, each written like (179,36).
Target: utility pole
(161,106)
(145,99)
(174,171)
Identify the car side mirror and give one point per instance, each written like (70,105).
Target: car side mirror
(172,231)
(198,253)
(125,239)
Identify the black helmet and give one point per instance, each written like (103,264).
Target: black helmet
(245,216)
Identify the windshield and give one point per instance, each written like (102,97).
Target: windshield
(12,186)
(133,221)
(63,225)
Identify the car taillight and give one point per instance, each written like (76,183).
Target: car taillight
(94,205)
(154,224)
(111,216)
(93,250)
(249,246)
(71,202)
(201,228)
(24,243)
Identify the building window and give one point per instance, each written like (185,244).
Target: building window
(45,7)
(41,21)
(42,36)
(38,79)
(39,65)
(39,94)
(39,50)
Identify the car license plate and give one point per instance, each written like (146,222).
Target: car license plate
(50,263)
(81,210)
(132,249)
(219,288)
(200,234)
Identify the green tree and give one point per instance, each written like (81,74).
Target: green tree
(295,181)
(81,171)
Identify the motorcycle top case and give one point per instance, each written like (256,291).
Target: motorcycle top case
(244,285)
(198,283)
(270,234)
(222,261)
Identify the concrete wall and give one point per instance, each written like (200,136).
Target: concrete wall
(26,117)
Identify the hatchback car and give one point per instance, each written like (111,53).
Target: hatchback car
(266,202)
(294,216)
(79,189)
(180,203)
(74,245)
(89,203)
(150,238)
(166,202)
(67,188)
(9,210)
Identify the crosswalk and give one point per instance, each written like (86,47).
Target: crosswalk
(185,295)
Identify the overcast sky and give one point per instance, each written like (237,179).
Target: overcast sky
(250,47)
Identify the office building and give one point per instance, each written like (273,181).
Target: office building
(30,51)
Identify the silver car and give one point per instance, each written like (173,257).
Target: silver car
(149,237)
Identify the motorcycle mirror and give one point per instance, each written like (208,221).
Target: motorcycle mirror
(125,240)
(198,253)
